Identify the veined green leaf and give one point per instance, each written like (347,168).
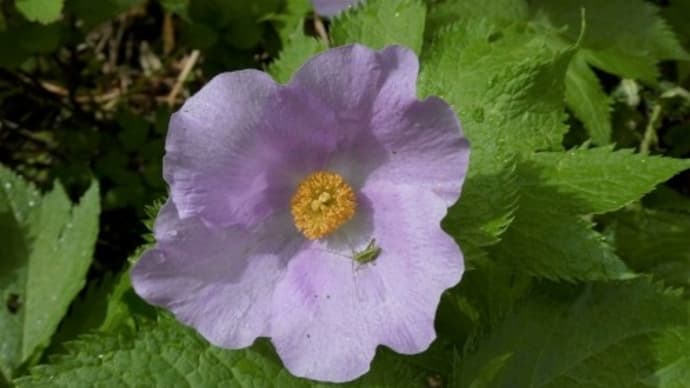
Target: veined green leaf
(49,245)
(591,335)
(378,23)
(165,353)
(42,11)
(587,100)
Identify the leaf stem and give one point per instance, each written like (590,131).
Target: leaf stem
(650,137)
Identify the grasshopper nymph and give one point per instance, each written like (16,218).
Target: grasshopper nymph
(369,254)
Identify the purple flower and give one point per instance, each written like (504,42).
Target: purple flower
(310,212)
(332,7)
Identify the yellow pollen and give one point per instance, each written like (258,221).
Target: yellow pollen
(322,203)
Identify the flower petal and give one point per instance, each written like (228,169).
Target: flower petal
(424,145)
(351,80)
(330,315)
(218,281)
(210,150)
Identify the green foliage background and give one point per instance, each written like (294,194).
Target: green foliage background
(574,219)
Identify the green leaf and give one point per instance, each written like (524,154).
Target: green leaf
(666,198)
(378,23)
(628,46)
(176,6)
(587,100)
(3,23)
(447,12)
(590,335)
(49,249)
(165,353)
(109,305)
(489,199)
(506,84)
(36,39)
(593,181)
(676,14)
(673,370)
(489,371)
(654,241)
(42,11)
(549,236)
(96,12)
(291,19)
(296,52)
(546,242)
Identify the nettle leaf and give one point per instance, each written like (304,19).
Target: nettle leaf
(673,360)
(43,11)
(290,21)
(596,180)
(109,305)
(165,353)
(93,13)
(378,23)
(550,237)
(588,101)
(489,199)
(546,242)
(591,335)
(654,241)
(295,53)
(448,12)
(507,86)
(628,46)
(48,245)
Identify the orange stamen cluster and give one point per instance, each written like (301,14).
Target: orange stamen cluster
(322,203)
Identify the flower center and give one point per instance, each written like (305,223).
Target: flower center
(322,203)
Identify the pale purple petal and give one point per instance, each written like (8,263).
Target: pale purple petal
(349,80)
(228,260)
(210,146)
(214,280)
(332,7)
(330,315)
(385,132)
(424,146)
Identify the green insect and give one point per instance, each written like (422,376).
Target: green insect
(369,254)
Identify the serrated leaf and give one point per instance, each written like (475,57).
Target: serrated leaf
(96,12)
(629,46)
(591,335)
(379,23)
(447,12)
(489,199)
(654,241)
(673,360)
(666,198)
(586,98)
(593,181)
(164,353)
(42,11)
(676,14)
(295,53)
(489,371)
(291,19)
(550,237)
(506,84)
(108,305)
(50,246)
(548,243)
